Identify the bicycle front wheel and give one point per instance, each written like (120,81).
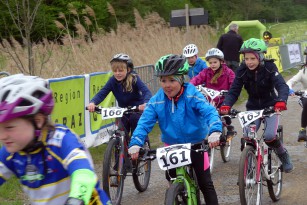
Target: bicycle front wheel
(274,164)
(142,175)
(225,148)
(250,190)
(176,195)
(113,180)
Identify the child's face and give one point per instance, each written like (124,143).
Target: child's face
(171,87)
(214,63)
(192,60)
(16,134)
(251,61)
(120,70)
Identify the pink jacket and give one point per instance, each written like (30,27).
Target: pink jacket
(223,82)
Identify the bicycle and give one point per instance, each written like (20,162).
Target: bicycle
(117,163)
(302,95)
(184,187)
(258,162)
(225,148)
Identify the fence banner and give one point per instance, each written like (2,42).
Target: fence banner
(294,53)
(274,53)
(71,95)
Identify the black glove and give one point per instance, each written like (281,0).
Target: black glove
(74,201)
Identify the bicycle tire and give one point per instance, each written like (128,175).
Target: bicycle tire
(111,157)
(274,164)
(142,176)
(194,177)
(248,186)
(176,195)
(226,148)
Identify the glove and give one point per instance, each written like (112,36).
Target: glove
(74,201)
(134,149)
(280,106)
(291,91)
(134,152)
(214,137)
(224,109)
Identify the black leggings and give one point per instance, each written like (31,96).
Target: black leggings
(304,113)
(203,178)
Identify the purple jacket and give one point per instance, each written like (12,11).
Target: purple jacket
(223,82)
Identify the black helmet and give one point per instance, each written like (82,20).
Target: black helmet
(172,65)
(124,58)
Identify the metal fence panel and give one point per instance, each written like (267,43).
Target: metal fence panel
(147,74)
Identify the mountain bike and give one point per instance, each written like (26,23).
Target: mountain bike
(258,162)
(302,95)
(184,188)
(117,163)
(225,148)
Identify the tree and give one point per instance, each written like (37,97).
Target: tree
(23,14)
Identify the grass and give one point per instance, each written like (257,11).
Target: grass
(291,31)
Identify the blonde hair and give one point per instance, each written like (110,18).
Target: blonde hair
(130,78)
(216,75)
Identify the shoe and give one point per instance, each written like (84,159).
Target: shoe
(286,161)
(230,133)
(302,137)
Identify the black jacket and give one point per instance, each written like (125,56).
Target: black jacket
(261,85)
(230,43)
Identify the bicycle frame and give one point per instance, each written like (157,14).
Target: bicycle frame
(262,150)
(182,176)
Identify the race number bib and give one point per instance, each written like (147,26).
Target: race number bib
(211,93)
(174,156)
(247,117)
(112,112)
(208,92)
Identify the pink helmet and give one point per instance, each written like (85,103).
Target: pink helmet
(22,95)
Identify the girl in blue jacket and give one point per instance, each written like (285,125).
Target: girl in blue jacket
(128,89)
(184,116)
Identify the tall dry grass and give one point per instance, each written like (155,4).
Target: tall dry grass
(151,38)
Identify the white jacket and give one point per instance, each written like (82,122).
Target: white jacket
(300,77)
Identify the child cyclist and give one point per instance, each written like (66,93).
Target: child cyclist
(128,89)
(218,77)
(260,78)
(196,64)
(301,77)
(184,116)
(50,161)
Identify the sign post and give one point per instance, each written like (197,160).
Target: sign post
(187,17)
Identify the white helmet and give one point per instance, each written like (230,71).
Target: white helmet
(190,50)
(214,53)
(22,95)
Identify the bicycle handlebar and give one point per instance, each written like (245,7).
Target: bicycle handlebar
(299,93)
(130,109)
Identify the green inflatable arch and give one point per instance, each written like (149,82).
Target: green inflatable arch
(249,29)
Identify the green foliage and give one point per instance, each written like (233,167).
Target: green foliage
(222,11)
(11,193)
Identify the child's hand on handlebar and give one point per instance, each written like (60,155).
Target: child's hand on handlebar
(142,107)
(91,107)
(134,152)
(224,109)
(214,139)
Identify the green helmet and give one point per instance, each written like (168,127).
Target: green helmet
(171,65)
(254,45)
